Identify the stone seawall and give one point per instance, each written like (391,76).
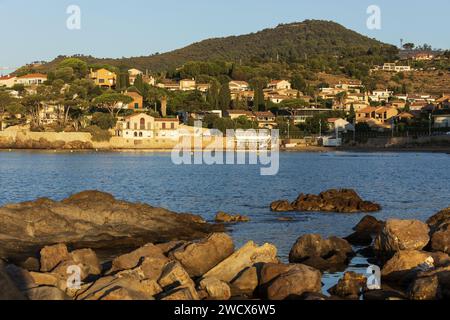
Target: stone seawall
(83,141)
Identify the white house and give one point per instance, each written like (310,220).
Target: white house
(239,86)
(279,84)
(340,125)
(32,79)
(136,126)
(381,95)
(133,74)
(7,81)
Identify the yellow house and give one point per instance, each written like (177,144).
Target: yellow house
(103,78)
(377,116)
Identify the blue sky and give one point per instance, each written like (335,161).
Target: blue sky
(36,30)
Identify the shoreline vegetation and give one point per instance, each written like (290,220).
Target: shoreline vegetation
(133,251)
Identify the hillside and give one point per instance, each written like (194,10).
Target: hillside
(286,43)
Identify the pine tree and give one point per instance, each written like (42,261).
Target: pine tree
(224,97)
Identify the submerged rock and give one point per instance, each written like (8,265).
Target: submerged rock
(341,201)
(94,220)
(224,217)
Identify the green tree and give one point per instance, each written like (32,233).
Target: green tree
(224,96)
(110,102)
(79,67)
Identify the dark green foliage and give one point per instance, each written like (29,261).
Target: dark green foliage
(103,120)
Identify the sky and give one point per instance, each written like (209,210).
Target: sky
(37,30)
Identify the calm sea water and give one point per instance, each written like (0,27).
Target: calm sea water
(407,185)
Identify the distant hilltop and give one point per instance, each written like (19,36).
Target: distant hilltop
(285,42)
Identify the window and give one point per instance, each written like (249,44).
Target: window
(136,105)
(128,125)
(140,134)
(101,80)
(164,125)
(135,134)
(172,125)
(142,123)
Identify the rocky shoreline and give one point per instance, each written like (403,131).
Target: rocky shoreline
(201,262)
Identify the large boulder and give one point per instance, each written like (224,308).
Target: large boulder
(88,258)
(365,230)
(9,290)
(93,220)
(405,264)
(246,282)
(323,254)
(399,235)
(440,240)
(247,256)
(341,201)
(51,256)
(439,219)
(197,258)
(425,288)
(174,276)
(280,282)
(350,286)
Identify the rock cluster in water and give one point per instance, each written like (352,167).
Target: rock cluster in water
(341,201)
(413,256)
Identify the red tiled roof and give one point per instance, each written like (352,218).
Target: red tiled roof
(33,75)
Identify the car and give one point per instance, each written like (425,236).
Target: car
(448,133)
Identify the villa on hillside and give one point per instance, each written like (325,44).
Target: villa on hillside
(7,81)
(142,126)
(103,78)
(239,86)
(279,84)
(32,79)
(133,74)
(376,116)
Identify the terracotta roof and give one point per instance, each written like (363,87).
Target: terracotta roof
(6,77)
(33,75)
(167,120)
(264,114)
(240,82)
(239,112)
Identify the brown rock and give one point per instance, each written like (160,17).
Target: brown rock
(343,201)
(216,289)
(350,286)
(93,220)
(21,277)
(9,290)
(247,256)
(46,293)
(402,264)
(246,282)
(31,264)
(45,279)
(51,256)
(368,227)
(402,235)
(293,283)
(169,246)
(197,258)
(228,218)
(174,276)
(439,219)
(281,206)
(440,240)
(133,259)
(181,294)
(319,253)
(426,288)
(88,258)
(124,294)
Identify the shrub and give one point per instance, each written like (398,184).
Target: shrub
(98,134)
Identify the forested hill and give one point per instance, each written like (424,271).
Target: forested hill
(293,42)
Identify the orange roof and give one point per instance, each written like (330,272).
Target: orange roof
(167,119)
(33,75)
(6,77)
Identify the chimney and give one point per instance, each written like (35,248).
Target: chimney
(164,106)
